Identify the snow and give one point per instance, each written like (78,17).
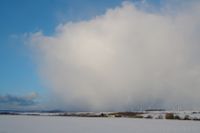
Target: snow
(55,124)
(192,115)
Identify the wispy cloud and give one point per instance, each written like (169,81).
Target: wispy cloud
(124,58)
(13,101)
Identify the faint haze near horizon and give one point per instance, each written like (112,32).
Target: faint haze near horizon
(123,59)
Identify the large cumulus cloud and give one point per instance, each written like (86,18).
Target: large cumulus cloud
(126,58)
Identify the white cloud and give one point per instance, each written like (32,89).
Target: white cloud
(124,58)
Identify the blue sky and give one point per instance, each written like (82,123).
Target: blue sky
(18,71)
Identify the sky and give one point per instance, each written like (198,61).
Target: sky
(18,71)
(37,74)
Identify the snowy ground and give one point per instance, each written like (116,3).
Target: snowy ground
(55,124)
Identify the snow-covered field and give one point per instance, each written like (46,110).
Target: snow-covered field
(55,124)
